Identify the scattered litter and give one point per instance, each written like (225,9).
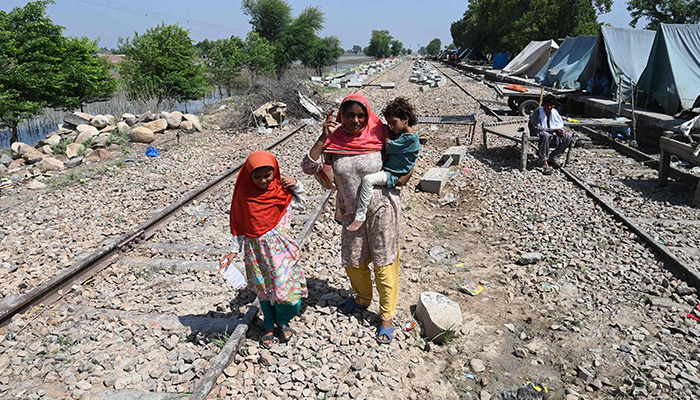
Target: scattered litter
(553,288)
(459,265)
(469,376)
(693,313)
(5,183)
(410,326)
(471,288)
(152,152)
(449,198)
(573,120)
(128,160)
(112,168)
(658,239)
(466,170)
(529,392)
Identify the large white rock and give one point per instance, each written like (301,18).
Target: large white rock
(100,140)
(440,316)
(19,149)
(172,119)
(130,119)
(77,118)
(50,164)
(73,150)
(157,126)
(141,135)
(88,129)
(194,120)
(46,149)
(83,137)
(53,140)
(123,128)
(186,126)
(99,121)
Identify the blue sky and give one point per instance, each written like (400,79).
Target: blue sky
(414,22)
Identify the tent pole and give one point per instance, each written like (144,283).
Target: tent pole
(619,94)
(633,143)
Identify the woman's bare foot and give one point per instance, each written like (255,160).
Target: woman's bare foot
(355,225)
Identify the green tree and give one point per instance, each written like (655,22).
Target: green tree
(259,57)
(86,75)
(290,37)
(162,64)
(422,50)
(323,53)
(451,46)
(269,18)
(365,50)
(356,49)
(379,44)
(205,46)
(396,48)
(433,48)
(225,59)
(508,25)
(31,61)
(664,11)
(409,51)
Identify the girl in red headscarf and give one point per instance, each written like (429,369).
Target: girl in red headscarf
(260,223)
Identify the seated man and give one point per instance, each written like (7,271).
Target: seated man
(546,123)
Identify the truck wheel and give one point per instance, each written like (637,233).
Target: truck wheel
(513,103)
(527,107)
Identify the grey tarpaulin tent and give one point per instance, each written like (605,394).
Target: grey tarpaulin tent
(672,74)
(531,59)
(567,64)
(622,56)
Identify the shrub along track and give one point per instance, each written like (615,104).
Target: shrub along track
(142,312)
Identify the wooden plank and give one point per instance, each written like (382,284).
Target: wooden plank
(224,358)
(682,150)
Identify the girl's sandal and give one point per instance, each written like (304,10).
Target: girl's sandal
(286,334)
(267,340)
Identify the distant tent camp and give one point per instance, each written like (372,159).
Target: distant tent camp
(531,59)
(672,74)
(622,56)
(568,63)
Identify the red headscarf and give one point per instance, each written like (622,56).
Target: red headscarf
(369,140)
(254,211)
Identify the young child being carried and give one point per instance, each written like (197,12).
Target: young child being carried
(401,154)
(260,223)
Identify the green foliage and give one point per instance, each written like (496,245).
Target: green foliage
(86,74)
(162,64)
(291,38)
(508,25)
(260,56)
(225,58)
(664,11)
(379,44)
(451,46)
(356,49)
(269,18)
(322,53)
(422,50)
(31,61)
(434,47)
(61,146)
(396,48)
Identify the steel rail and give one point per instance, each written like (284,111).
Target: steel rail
(55,287)
(478,101)
(672,263)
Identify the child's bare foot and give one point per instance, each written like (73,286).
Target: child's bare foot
(355,225)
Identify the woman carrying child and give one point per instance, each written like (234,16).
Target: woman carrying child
(260,222)
(352,145)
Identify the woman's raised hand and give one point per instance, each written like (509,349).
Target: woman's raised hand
(329,125)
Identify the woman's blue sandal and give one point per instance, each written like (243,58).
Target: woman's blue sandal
(388,332)
(350,306)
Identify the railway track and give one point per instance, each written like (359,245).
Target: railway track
(624,182)
(150,285)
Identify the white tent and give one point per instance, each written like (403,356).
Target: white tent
(531,59)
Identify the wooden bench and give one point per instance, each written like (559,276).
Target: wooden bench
(511,130)
(516,131)
(681,150)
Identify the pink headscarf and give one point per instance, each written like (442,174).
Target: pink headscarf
(369,140)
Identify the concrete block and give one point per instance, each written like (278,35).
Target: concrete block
(317,79)
(355,84)
(388,85)
(457,153)
(434,180)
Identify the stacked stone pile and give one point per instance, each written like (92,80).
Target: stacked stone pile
(87,136)
(423,74)
(355,78)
